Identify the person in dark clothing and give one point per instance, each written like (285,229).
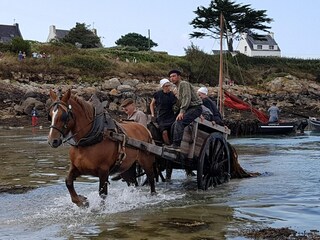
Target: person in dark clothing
(189,105)
(214,114)
(162,104)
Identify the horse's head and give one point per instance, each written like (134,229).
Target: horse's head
(60,115)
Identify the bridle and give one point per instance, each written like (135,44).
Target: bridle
(65,117)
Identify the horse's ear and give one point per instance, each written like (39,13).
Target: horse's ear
(53,95)
(66,96)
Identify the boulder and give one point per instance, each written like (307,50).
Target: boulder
(110,84)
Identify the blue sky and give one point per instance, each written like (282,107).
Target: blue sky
(296,23)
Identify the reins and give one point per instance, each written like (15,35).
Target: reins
(68,110)
(67,140)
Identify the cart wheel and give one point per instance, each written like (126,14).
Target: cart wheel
(214,162)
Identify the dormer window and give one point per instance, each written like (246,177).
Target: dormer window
(259,47)
(271,47)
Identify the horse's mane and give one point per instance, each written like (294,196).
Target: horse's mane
(85,106)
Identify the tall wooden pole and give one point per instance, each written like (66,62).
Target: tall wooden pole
(221,94)
(149,40)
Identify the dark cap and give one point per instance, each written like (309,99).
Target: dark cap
(126,102)
(174,71)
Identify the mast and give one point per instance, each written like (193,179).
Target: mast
(221,107)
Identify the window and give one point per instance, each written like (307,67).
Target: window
(259,47)
(245,48)
(271,47)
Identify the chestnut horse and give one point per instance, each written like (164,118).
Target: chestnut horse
(74,117)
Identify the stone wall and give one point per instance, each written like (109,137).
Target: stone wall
(292,95)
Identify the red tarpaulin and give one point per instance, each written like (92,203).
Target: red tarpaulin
(234,102)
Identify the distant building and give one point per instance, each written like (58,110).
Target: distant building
(59,34)
(8,32)
(56,34)
(265,46)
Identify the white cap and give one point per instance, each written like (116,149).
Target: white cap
(203,90)
(163,82)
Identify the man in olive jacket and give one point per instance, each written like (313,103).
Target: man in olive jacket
(189,105)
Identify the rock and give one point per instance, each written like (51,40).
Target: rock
(28,104)
(130,82)
(113,107)
(125,88)
(114,92)
(110,84)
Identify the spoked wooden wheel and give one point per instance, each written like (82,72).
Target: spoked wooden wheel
(214,162)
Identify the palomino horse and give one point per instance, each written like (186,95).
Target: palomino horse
(71,115)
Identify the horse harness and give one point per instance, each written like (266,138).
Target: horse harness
(103,127)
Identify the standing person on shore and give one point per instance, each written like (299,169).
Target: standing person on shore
(215,115)
(134,114)
(162,103)
(273,113)
(34,117)
(189,105)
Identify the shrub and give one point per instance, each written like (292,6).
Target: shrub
(86,63)
(5,47)
(18,44)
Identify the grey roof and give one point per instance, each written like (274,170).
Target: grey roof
(8,32)
(263,40)
(61,33)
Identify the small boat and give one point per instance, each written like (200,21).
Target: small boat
(314,124)
(283,127)
(277,128)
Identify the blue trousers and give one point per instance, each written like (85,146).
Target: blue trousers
(178,126)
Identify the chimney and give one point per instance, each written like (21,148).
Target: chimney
(271,34)
(52,29)
(52,33)
(244,35)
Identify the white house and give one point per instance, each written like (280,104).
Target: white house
(56,34)
(262,47)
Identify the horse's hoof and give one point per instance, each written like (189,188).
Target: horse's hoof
(83,202)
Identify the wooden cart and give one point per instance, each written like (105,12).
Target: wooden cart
(203,148)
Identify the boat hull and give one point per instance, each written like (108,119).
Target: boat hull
(314,124)
(277,128)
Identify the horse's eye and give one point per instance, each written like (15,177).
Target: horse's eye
(64,117)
